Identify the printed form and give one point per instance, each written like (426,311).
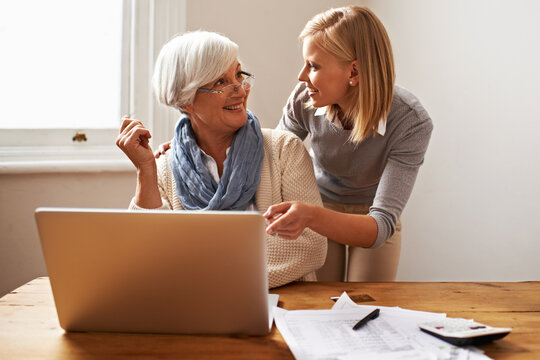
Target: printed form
(328,334)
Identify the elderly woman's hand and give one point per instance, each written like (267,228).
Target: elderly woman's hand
(288,219)
(133,140)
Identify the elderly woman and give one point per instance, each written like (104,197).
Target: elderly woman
(220,159)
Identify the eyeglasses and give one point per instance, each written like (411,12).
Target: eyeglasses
(246,83)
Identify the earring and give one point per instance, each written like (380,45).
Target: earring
(350,83)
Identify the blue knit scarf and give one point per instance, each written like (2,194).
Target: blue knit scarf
(196,188)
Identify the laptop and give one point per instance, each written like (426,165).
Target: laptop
(157,271)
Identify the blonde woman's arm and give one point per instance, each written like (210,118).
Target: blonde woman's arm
(289,219)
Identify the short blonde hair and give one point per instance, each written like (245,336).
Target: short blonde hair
(189,61)
(355,33)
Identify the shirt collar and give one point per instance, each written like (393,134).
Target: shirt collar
(320,111)
(211,164)
(381,128)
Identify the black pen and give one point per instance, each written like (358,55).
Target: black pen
(372,315)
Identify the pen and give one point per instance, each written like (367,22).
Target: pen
(372,315)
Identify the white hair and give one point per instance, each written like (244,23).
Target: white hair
(188,61)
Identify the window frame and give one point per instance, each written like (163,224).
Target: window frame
(147,25)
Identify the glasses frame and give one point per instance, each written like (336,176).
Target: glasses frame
(249,78)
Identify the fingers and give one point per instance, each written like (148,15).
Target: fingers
(284,233)
(128,124)
(125,122)
(131,129)
(276,217)
(286,220)
(162,149)
(276,210)
(133,140)
(133,133)
(135,137)
(281,224)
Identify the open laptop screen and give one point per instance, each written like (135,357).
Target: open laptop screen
(156,271)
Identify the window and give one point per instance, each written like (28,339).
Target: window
(73,69)
(63,71)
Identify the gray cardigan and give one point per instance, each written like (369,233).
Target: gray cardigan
(380,171)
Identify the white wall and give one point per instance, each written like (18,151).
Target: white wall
(20,194)
(473,64)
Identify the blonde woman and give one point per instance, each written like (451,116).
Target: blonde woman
(368,140)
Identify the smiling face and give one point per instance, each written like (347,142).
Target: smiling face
(220,115)
(327,77)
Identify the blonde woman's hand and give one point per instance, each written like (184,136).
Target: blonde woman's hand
(288,219)
(133,140)
(162,149)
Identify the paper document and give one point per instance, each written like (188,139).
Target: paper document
(272,304)
(323,334)
(329,334)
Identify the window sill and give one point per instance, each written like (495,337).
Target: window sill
(18,160)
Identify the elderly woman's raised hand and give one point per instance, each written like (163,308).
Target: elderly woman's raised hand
(133,140)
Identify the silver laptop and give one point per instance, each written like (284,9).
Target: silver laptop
(157,271)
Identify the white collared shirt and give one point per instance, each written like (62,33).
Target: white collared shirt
(212,167)
(381,129)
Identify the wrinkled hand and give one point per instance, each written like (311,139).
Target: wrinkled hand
(133,141)
(162,149)
(288,219)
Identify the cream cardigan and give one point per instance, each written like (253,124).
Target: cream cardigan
(287,174)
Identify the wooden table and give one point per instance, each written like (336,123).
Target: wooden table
(29,327)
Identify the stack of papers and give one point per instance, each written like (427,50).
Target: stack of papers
(328,334)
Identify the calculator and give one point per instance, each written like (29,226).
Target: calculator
(463,331)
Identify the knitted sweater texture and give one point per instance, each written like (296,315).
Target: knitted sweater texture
(287,175)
